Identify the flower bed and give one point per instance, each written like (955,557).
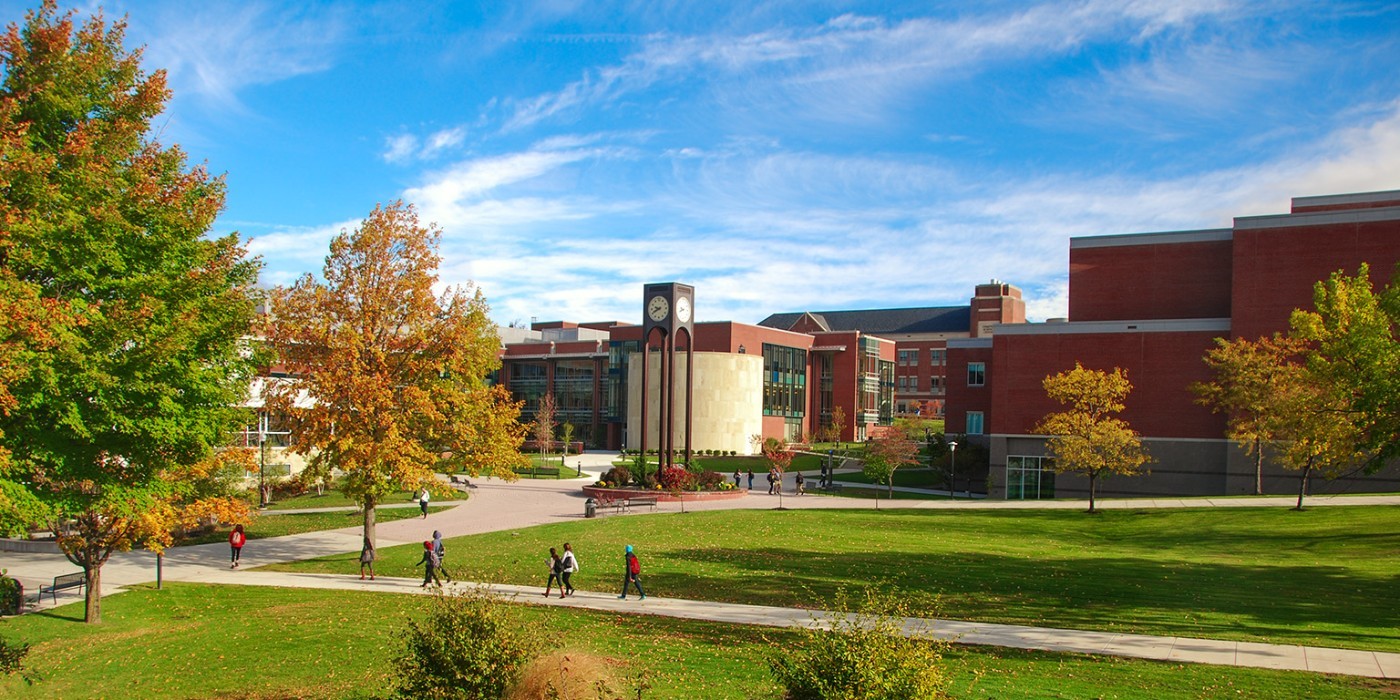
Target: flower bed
(663,496)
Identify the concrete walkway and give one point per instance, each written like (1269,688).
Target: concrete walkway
(496,505)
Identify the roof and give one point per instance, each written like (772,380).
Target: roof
(926,319)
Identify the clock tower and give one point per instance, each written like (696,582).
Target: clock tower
(668,319)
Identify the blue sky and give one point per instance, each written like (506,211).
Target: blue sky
(779,156)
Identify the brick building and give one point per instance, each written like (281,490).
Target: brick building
(1153,304)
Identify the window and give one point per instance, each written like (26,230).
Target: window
(1029,478)
(908,357)
(974,422)
(935,357)
(904,384)
(784,381)
(976,373)
(935,384)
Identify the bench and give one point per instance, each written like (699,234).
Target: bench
(62,582)
(639,501)
(459,483)
(539,471)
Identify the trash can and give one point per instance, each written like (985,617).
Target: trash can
(590,508)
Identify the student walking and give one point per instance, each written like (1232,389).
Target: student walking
(736,478)
(236,540)
(556,573)
(423,499)
(801,482)
(430,562)
(570,566)
(367,557)
(441,553)
(632,574)
(750,478)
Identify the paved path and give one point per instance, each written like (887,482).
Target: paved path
(497,505)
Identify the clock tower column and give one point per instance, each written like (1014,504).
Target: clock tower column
(668,315)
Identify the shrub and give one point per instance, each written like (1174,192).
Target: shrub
(677,479)
(863,654)
(647,480)
(565,675)
(470,646)
(711,481)
(11,595)
(618,476)
(12,660)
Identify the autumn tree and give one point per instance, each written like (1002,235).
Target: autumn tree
(779,457)
(1249,387)
(837,426)
(394,373)
(886,454)
(1355,337)
(1087,439)
(544,424)
(141,364)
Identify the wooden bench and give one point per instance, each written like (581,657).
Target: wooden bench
(459,483)
(62,582)
(639,501)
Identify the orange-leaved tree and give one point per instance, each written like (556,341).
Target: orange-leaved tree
(386,378)
(886,454)
(1087,439)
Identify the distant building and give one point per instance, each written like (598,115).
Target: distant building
(1153,304)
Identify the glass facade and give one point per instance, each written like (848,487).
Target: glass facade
(875,387)
(784,381)
(528,382)
(618,353)
(1027,478)
(976,373)
(573,396)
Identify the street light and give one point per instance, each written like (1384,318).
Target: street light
(262,460)
(952,468)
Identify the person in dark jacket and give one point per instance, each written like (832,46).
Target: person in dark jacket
(430,562)
(367,557)
(632,574)
(556,572)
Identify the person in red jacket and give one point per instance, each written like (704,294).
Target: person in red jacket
(236,540)
(632,575)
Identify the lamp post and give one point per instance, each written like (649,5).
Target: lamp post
(262,460)
(952,468)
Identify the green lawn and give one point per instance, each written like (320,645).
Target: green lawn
(275,525)
(872,492)
(1325,577)
(916,478)
(198,641)
(335,499)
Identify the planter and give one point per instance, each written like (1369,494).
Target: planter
(609,494)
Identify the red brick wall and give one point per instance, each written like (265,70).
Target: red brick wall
(1161,367)
(963,398)
(1141,282)
(1275,268)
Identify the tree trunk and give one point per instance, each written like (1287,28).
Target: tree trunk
(1258,467)
(369,522)
(1303,484)
(1093,487)
(92,611)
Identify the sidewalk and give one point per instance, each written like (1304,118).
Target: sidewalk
(1170,649)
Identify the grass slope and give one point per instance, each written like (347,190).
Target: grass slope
(1324,577)
(197,641)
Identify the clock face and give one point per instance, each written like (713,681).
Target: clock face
(683,309)
(658,308)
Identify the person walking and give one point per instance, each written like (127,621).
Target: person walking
(430,561)
(367,557)
(736,478)
(570,566)
(632,574)
(236,540)
(750,478)
(556,573)
(772,482)
(441,553)
(423,499)
(801,481)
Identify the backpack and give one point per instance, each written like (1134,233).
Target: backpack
(634,566)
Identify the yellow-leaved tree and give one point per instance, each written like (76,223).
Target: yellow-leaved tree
(387,379)
(1087,439)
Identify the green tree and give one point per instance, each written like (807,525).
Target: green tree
(886,454)
(1355,337)
(1087,439)
(143,363)
(1248,378)
(388,377)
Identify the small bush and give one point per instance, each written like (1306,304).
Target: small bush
(618,475)
(710,481)
(863,654)
(677,479)
(11,595)
(470,646)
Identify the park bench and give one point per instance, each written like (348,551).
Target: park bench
(62,582)
(832,487)
(639,501)
(539,471)
(459,483)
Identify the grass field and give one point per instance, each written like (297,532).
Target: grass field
(196,641)
(1324,577)
(277,525)
(336,499)
(916,478)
